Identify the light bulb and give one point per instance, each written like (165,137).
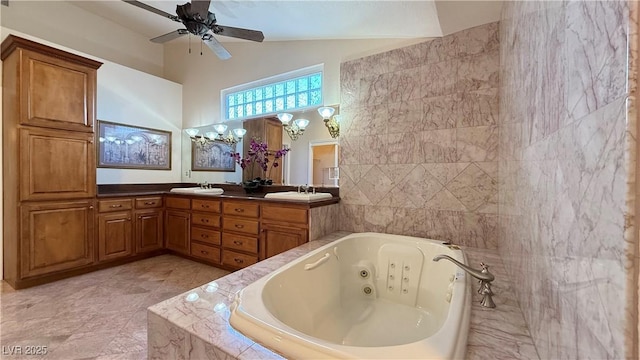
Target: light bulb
(239,132)
(285,118)
(192,132)
(301,123)
(211,135)
(326,111)
(220,128)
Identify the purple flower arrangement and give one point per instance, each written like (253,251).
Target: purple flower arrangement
(258,154)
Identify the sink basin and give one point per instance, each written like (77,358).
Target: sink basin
(294,195)
(197,190)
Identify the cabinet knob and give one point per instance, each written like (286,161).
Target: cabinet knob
(90,141)
(237,242)
(239,210)
(238,226)
(239,261)
(204,252)
(90,207)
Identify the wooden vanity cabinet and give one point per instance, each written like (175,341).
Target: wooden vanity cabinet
(115,229)
(48,117)
(283,228)
(177,222)
(240,233)
(205,230)
(149,224)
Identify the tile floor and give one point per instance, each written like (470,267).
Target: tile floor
(100,315)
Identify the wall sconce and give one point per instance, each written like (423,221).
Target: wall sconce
(218,135)
(296,128)
(331,122)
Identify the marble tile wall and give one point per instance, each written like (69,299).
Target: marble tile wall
(566,168)
(419,140)
(323,220)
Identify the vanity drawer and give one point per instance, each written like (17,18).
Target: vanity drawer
(148,203)
(206,252)
(206,205)
(115,205)
(205,219)
(284,214)
(178,203)
(241,225)
(237,260)
(238,242)
(241,209)
(205,235)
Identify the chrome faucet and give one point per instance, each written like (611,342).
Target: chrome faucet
(303,187)
(484,278)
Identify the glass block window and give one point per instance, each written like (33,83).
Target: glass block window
(286,92)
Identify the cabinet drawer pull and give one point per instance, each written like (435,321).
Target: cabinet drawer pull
(90,141)
(238,226)
(205,206)
(204,236)
(90,207)
(239,261)
(204,252)
(204,220)
(116,206)
(128,219)
(150,203)
(239,210)
(239,243)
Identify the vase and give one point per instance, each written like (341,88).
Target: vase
(251,187)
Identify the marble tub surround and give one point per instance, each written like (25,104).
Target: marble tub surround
(420,142)
(323,221)
(179,328)
(566,181)
(100,315)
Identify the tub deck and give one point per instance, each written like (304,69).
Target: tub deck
(178,328)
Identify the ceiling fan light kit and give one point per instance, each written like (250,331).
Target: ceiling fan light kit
(199,21)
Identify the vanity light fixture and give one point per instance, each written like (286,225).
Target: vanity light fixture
(294,129)
(231,138)
(332,122)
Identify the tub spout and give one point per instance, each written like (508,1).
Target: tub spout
(483,275)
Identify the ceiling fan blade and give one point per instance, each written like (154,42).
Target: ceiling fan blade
(216,47)
(201,7)
(170,36)
(152,9)
(247,34)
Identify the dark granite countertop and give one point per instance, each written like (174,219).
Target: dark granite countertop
(230,192)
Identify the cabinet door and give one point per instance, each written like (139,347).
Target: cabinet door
(149,226)
(177,231)
(56,164)
(277,239)
(114,236)
(55,236)
(56,93)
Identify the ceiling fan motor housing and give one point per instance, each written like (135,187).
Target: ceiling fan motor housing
(192,20)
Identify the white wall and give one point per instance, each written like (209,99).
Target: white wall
(65,24)
(204,76)
(134,98)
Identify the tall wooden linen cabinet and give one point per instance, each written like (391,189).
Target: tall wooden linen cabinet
(267,130)
(49,172)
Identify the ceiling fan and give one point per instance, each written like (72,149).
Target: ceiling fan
(197,19)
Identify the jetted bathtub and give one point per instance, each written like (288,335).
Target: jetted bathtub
(365,296)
